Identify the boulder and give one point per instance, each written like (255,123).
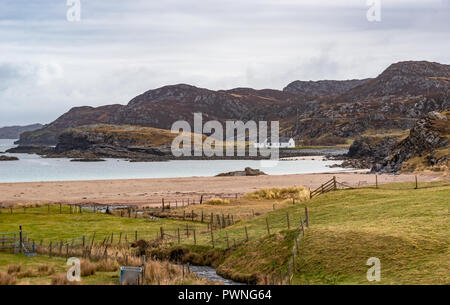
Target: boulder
(248,171)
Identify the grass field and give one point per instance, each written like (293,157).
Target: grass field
(53,226)
(407,229)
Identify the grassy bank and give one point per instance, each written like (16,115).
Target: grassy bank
(407,229)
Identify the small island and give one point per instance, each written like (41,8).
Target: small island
(8,158)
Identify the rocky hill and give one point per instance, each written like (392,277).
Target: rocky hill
(323,87)
(306,110)
(13,132)
(75,117)
(408,78)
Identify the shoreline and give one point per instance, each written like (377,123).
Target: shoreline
(151,191)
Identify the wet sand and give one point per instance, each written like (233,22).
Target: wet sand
(151,191)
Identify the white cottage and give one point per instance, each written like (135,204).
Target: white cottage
(281,143)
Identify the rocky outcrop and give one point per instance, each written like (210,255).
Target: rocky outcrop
(31,149)
(13,132)
(366,151)
(87,160)
(248,171)
(428,136)
(112,141)
(8,158)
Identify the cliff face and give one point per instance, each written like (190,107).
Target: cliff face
(306,110)
(426,147)
(13,132)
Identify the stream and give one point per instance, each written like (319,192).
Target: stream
(209,273)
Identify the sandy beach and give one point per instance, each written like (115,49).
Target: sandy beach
(151,191)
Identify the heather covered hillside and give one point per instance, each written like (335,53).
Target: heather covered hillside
(394,100)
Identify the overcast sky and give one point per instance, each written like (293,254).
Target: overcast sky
(122,48)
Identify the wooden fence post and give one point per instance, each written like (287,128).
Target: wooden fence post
(212,238)
(135,235)
(228,243)
(179,239)
(20,239)
(287,218)
(267,224)
(416,183)
(303,229)
(202,215)
(246,233)
(306,217)
(163,204)
(376,181)
(195,238)
(201,199)
(162,232)
(218,220)
(60,208)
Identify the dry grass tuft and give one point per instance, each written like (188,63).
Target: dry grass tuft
(107,266)
(87,268)
(7,279)
(15,268)
(217,201)
(27,273)
(61,279)
(298,193)
(46,269)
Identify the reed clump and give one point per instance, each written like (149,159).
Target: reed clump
(14,268)
(46,269)
(298,193)
(217,201)
(7,279)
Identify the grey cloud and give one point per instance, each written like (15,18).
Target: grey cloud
(122,48)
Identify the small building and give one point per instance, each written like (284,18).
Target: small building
(281,143)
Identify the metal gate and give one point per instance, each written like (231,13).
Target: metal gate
(10,242)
